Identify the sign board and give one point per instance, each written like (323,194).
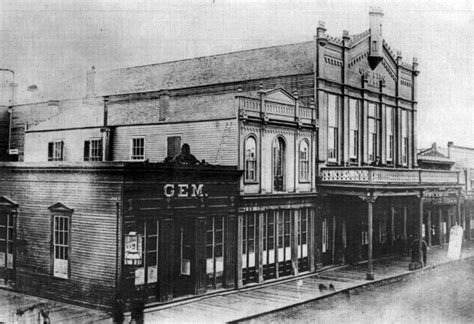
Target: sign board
(455,242)
(13,151)
(133,248)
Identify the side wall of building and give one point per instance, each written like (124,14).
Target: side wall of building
(213,141)
(92,233)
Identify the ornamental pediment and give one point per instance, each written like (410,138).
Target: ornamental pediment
(60,207)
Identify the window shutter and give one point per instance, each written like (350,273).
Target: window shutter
(50,151)
(87,145)
(61,158)
(174,145)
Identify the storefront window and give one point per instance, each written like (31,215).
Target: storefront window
(148,273)
(215,250)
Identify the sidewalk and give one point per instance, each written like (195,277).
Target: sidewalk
(248,302)
(20,308)
(230,305)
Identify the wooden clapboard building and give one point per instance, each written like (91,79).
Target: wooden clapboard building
(83,233)
(323,132)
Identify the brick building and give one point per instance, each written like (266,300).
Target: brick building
(324,132)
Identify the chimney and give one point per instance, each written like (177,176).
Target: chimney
(376,39)
(450,144)
(90,91)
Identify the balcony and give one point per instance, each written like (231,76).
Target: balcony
(276,111)
(387,176)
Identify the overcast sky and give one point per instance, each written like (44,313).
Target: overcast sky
(46,42)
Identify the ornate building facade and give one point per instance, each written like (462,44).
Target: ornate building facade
(323,132)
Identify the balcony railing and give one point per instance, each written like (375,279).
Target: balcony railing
(276,110)
(376,175)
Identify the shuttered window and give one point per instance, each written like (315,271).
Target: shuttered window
(137,148)
(56,151)
(93,150)
(174,146)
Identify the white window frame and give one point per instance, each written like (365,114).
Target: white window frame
(354,108)
(92,142)
(58,151)
(136,157)
(61,245)
(333,130)
(390,127)
(304,161)
(249,160)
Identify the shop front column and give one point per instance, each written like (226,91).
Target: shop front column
(459,216)
(428,228)
(370,199)
(417,263)
(240,221)
(259,251)
(440,226)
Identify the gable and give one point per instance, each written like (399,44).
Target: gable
(61,208)
(280,96)
(4,201)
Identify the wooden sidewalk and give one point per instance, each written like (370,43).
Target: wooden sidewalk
(247,302)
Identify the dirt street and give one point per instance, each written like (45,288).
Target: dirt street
(443,295)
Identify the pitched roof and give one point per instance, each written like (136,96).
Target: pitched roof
(258,63)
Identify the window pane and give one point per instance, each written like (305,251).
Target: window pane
(332,110)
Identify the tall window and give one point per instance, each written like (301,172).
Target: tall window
(56,151)
(373,116)
(389,121)
(404,137)
(215,250)
(353,128)
(333,117)
(61,242)
(93,150)
(304,161)
(251,159)
(173,146)
(148,273)
(7,237)
(278,164)
(137,148)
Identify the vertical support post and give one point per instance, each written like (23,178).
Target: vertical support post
(230,256)
(259,252)
(449,224)
(370,265)
(333,241)
(311,233)
(458,203)
(440,226)
(405,214)
(420,229)
(392,226)
(294,242)
(240,222)
(428,228)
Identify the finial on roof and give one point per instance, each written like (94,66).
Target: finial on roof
(345,33)
(239,89)
(295,93)
(260,86)
(321,24)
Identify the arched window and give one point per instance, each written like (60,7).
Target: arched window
(251,159)
(304,161)
(278,157)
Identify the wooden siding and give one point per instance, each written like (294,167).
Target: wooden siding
(145,199)
(92,265)
(213,141)
(36,143)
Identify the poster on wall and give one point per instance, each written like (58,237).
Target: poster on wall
(133,248)
(455,242)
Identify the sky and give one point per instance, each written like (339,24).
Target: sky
(48,43)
